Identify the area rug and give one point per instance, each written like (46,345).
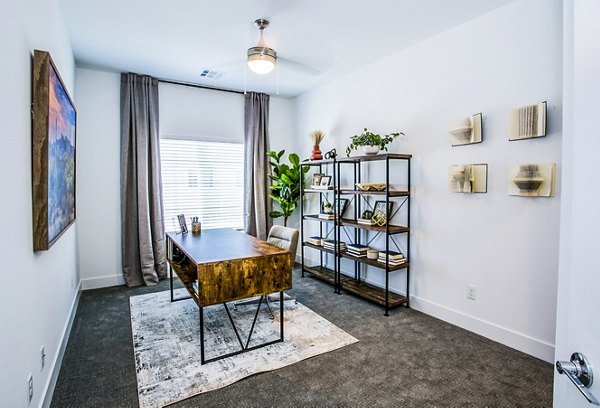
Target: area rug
(166,341)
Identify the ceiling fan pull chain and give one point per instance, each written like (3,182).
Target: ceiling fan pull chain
(277,79)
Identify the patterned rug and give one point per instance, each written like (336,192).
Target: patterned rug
(166,343)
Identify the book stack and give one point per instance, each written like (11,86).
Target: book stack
(365,221)
(314,240)
(396,258)
(318,187)
(331,245)
(324,216)
(357,250)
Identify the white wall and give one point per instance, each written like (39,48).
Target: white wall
(506,246)
(99,178)
(184,111)
(39,290)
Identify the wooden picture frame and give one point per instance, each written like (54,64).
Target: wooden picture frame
(53,123)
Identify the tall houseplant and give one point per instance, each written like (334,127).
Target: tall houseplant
(285,189)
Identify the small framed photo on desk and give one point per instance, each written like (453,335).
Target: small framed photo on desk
(182,224)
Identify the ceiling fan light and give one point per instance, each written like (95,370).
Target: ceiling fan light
(261,60)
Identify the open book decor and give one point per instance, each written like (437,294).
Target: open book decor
(532,180)
(527,122)
(468,178)
(467,130)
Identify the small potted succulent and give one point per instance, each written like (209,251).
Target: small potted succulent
(327,208)
(371,142)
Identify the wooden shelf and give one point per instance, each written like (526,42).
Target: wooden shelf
(315,217)
(379,193)
(375,157)
(373,262)
(393,229)
(322,273)
(371,292)
(363,259)
(315,190)
(317,162)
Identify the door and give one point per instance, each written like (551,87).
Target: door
(578,304)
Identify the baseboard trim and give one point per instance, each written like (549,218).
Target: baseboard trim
(57,362)
(103,282)
(519,341)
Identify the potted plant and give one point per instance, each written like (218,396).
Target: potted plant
(327,208)
(371,142)
(285,189)
(317,137)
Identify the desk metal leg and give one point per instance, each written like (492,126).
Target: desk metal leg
(281,316)
(171,280)
(201,335)
(246,347)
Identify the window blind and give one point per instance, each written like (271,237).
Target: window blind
(202,179)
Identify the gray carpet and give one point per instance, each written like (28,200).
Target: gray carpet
(405,360)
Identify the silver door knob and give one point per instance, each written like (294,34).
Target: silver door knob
(579,371)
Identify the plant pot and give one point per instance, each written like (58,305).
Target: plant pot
(371,149)
(316,153)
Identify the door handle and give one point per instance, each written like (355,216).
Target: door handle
(579,371)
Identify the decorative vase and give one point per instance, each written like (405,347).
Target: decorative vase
(371,149)
(316,153)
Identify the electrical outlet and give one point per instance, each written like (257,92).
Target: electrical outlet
(471,292)
(43,357)
(29,388)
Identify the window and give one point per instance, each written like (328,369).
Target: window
(203,179)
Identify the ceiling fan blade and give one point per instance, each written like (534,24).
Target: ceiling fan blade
(298,66)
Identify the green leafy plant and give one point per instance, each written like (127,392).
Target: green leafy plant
(285,189)
(371,139)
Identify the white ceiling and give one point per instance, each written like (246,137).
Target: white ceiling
(177,39)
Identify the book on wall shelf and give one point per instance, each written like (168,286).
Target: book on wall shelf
(327,216)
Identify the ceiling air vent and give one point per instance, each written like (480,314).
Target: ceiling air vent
(207,73)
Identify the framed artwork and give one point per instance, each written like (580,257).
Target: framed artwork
(380,205)
(316,179)
(342,206)
(182,223)
(325,180)
(53,153)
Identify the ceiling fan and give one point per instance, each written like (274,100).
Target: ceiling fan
(261,59)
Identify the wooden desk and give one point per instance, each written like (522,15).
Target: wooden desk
(229,265)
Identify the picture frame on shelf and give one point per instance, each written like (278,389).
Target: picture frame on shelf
(316,179)
(325,180)
(380,205)
(343,205)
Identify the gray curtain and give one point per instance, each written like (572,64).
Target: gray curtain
(142,228)
(256,145)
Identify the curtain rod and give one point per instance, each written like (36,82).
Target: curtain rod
(190,84)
